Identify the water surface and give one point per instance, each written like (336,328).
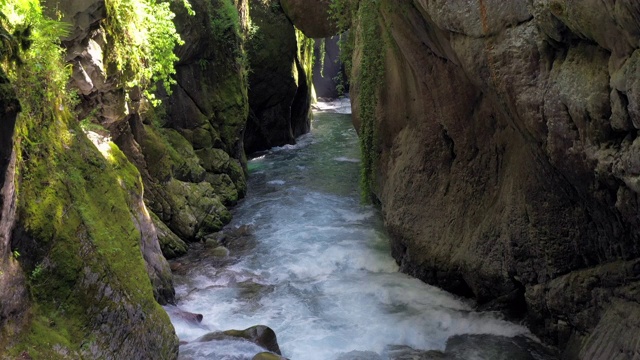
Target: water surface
(314,264)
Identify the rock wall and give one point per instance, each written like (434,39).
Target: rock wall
(80,257)
(14,299)
(329,76)
(280,87)
(104,102)
(310,17)
(507,159)
(190,149)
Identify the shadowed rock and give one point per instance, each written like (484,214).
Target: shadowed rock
(311,17)
(507,157)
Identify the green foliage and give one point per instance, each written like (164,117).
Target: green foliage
(73,203)
(15,254)
(144,37)
(322,54)
(12,43)
(40,83)
(37,271)
(342,13)
(362,17)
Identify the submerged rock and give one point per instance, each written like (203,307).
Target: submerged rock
(268,356)
(260,335)
(464,347)
(185,315)
(359,355)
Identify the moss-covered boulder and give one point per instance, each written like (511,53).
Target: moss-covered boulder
(190,149)
(172,246)
(280,89)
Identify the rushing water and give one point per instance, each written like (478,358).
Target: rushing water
(317,269)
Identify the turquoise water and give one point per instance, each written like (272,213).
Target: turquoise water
(317,269)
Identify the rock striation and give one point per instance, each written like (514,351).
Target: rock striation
(505,158)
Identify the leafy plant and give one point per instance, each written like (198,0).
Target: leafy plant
(37,272)
(42,62)
(144,36)
(12,43)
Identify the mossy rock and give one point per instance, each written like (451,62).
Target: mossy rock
(186,164)
(267,356)
(214,160)
(89,286)
(172,246)
(157,155)
(224,187)
(237,175)
(196,209)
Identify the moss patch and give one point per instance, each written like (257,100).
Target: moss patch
(74,209)
(363,18)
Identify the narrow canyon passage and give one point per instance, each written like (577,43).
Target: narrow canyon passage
(309,260)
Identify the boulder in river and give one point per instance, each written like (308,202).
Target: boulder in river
(260,335)
(267,356)
(185,315)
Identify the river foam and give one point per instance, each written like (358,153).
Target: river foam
(320,273)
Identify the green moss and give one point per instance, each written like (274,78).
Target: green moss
(158,154)
(77,240)
(363,18)
(170,244)
(143,36)
(77,209)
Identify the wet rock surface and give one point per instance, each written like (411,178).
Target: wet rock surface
(260,335)
(267,356)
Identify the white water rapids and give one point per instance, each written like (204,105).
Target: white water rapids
(319,271)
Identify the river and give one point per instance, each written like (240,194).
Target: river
(313,263)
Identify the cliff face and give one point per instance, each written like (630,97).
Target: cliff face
(280,87)
(189,150)
(13,299)
(506,158)
(329,77)
(81,242)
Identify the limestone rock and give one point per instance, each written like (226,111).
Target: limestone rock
(311,17)
(14,301)
(506,156)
